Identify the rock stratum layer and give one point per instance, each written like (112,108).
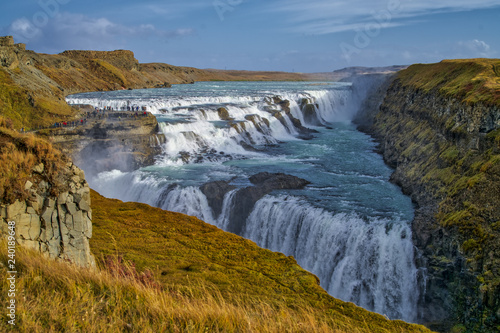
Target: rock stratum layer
(45,197)
(439,127)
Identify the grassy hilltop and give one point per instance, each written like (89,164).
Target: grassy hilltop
(469,80)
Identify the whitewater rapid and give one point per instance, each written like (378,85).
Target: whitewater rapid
(350,227)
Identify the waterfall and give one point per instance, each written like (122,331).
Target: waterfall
(223,220)
(369,263)
(189,201)
(361,257)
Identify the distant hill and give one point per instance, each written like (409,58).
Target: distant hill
(33,85)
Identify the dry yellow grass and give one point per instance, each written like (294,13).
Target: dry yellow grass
(19,153)
(470,80)
(57,297)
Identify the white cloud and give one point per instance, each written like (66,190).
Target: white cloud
(68,30)
(474,48)
(330,16)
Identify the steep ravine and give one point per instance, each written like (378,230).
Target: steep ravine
(445,151)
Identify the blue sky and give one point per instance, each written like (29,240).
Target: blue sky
(284,35)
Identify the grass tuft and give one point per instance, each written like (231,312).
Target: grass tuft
(19,153)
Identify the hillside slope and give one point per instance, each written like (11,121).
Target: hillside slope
(439,127)
(188,254)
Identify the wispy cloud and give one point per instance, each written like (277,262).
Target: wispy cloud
(474,48)
(68,30)
(173,8)
(327,16)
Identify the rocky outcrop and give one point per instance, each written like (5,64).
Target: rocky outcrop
(120,58)
(244,199)
(223,114)
(446,157)
(215,192)
(10,53)
(117,140)
(57,226)
(284,105)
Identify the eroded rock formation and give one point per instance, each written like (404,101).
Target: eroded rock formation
(59,226)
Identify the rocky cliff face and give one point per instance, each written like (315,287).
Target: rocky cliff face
(245,198)
(58,226)
(45,196)
(445,152)
(118,141)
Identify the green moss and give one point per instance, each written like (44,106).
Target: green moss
(450,155)
(458,329)
(469,245)
(473,181)
(471,80)
(445,176)
(457,218)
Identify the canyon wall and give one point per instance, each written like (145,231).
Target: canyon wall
(440,130)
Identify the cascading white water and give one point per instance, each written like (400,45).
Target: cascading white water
(189,201)
(368,263)
(368,260)
(223,220)
(333,106)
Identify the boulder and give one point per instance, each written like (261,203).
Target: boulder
(83,205)
(223,114)
(71,207)
(23,225)
(54,248)
(78,222)
(278,181)
(35,227)
(39,168)
(215,192)
(62,198)
(264,183)
(310,115)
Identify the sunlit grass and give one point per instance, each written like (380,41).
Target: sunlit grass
(471,80)
(58,297)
